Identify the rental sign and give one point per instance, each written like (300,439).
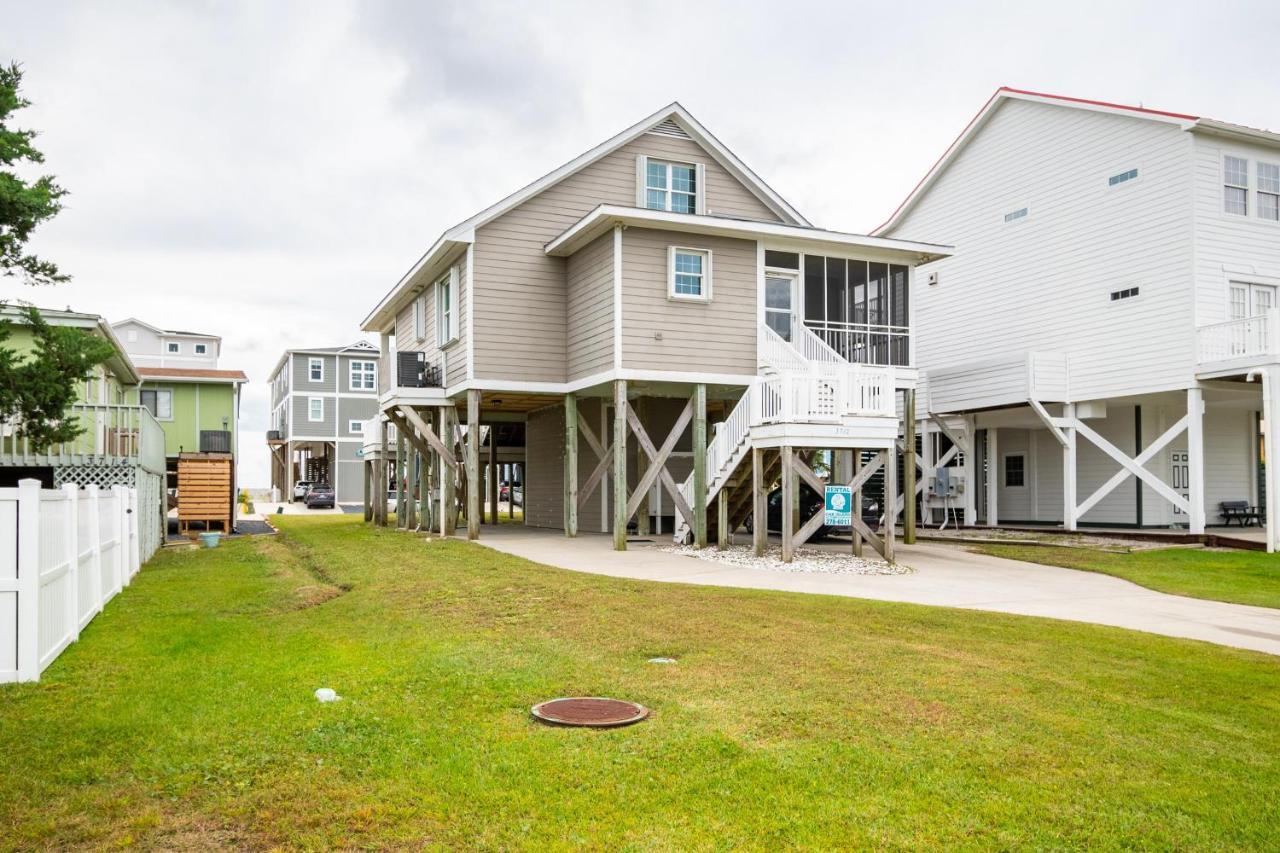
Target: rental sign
(838,506)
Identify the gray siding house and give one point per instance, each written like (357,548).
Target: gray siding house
(320,398)
(667,332)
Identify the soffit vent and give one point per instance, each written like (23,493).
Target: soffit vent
(669,128)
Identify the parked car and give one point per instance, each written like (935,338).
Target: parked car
(319,495)
(505,491)
(301,488)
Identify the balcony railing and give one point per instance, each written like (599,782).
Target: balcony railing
(110,432)
(865,343)
(1255,337)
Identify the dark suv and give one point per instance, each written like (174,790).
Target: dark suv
(320,495)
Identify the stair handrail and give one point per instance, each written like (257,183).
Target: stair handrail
(730,434)
(815,350)
(773,350)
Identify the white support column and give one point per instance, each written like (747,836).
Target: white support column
(1069,470)
(1195,459)
(971,472)
(993,479)
(1270,449)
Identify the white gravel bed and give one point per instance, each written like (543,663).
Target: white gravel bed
(807,560)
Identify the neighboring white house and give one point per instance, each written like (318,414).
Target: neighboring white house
(1113,289)
(150,346)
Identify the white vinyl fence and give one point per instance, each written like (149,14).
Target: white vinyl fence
(64,553)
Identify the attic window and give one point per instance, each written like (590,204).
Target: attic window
(1127,293)
(671,186)
(1121,178)
(1014,216)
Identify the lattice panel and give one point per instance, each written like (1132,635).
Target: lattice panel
(102,476)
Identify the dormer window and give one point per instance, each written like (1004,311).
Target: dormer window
(670,186)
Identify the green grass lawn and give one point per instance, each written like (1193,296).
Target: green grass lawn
(1241,577)
(184,717)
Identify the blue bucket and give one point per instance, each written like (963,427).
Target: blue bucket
(211,539)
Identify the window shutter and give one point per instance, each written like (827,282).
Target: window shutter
(701,189)
(642,168)
(455,290)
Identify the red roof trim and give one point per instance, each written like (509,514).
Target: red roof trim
(1012,91)
(1107,104)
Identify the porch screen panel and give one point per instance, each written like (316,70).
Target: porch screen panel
(837,304)
(899,295)
(815,290)
(857,283)
(878,311)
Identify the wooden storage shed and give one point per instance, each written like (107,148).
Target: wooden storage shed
(206,490)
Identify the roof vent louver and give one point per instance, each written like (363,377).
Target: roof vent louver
(670,127)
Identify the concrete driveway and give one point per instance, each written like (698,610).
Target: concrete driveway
(944,575)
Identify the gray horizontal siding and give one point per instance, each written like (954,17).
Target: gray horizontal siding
(304,426)
(590,325)
(715,337)
(521,301)
(302,376)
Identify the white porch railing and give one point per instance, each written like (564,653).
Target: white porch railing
(64,553)
(865,343)
(1250,337)
(109,431)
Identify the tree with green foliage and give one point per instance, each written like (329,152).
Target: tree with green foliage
(23,204)
(38,387)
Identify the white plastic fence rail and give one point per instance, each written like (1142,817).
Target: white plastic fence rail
(64,553)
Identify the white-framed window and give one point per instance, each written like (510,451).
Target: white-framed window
(356,427)
(315,409)
(172,347)
(159,401)
(1016,215)
(202,349)
(1015,471)
(446,309)
(1269,191)
(420,317)
(689,274)
(315,369)
(1235,185)
(671,186)
(364,375)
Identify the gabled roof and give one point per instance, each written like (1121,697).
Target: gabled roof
(464,232)
(1005,93)
(160,331)
(357,347)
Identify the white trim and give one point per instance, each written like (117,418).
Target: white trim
(312,361)
(351,374)
(173,347)
(446,325)
(704,296)
(464,232)
(157,390)
(358,425)
(617,297)
(605,216)
(471,306)
(1002,474)
(311,418)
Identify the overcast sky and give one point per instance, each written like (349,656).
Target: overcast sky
(266,171)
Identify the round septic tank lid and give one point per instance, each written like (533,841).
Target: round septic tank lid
(594,711)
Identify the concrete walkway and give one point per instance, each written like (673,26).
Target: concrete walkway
(944,575)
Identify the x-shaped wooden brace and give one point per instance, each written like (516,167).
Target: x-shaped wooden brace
(658,463)
(605,455)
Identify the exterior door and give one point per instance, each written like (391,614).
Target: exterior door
(1250,300)
(779,303)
